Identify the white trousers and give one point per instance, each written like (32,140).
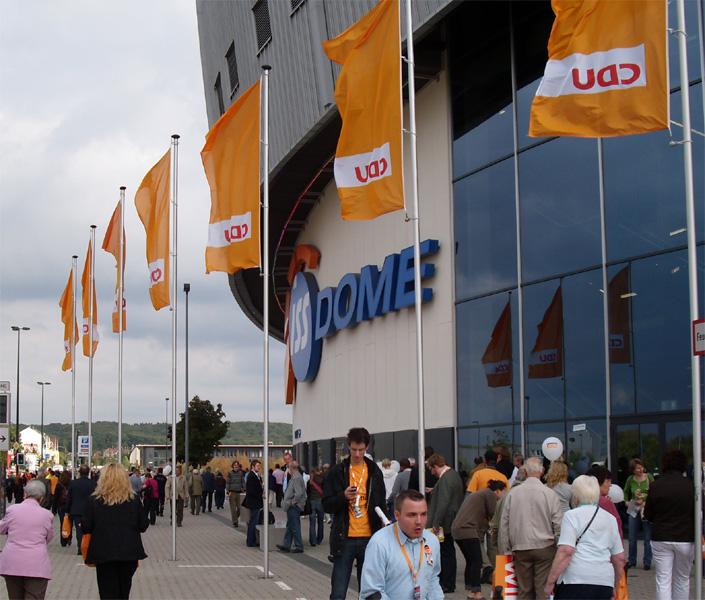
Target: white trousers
(673,561)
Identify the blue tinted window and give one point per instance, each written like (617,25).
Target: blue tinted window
(476,441)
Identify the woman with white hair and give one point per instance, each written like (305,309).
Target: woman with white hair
(24,561)
(590,558)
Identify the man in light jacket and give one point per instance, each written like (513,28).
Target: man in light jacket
(181,492)
(294,502)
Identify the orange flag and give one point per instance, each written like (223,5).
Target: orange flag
(69,320)
(607,70)
(231,160)
(368,161)
(111,243)
(618,312)
(152,203)
(547,355)
(86,305)
(497,358)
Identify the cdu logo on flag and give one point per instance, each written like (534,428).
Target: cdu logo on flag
(156,272)
(304,347)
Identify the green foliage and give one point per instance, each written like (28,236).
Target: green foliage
(251,432)
(206,429)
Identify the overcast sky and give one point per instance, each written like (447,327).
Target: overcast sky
(90,94)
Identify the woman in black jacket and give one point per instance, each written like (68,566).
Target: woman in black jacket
(115,518)
(58,506)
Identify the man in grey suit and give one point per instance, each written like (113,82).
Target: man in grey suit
(446,498)
(294,502)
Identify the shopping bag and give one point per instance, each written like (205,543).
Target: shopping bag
(66,527)
(622,593)
(85,542)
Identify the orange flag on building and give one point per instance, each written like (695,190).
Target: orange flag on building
(368,161)
(607,73)
(86,278)
(547,355)
(497,358)
(111,243)
(152,203)
(231,160)
(69,321)
(618,312)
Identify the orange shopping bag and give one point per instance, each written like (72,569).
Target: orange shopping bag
(504,576)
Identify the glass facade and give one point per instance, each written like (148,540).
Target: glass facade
(555,183)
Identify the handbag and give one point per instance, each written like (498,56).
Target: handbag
(261,518)
(85,542)
(307,508)
(66,527)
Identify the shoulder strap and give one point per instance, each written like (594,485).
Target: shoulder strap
(587,526)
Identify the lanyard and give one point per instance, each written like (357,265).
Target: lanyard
(354,480)
(406,556)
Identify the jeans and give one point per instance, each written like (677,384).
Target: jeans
(449,564)
(207,499)
(634,523)
(673,563)
(316,517)
(473,562)
(252,527)
(76,522)
(293,528)
(342,566)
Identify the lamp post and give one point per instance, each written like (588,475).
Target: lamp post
(187,289)
(166,433)
(41,455)
(19,331)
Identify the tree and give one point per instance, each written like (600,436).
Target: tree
(207,427)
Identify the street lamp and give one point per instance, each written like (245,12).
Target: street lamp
(41,455)
(187,289)
(166,436)
(19,330)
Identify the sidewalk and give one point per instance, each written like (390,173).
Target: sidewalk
(213,562)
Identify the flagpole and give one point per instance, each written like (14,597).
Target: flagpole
(73,367)
(173,280)
(120,300)
(693,285)
(265,310)
(91,292)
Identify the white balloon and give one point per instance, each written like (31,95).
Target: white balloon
(552,448)
(167,470)
(616,494)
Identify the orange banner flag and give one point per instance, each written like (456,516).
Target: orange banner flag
(111,243)
(497,358)
(69,320)
(231,160)
(368,161)
(618,313)
(86,305)
(547,355)
(607,71)
(152,203)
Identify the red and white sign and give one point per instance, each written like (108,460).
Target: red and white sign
(699,337)
(156,272)
(361,169)
(235,229)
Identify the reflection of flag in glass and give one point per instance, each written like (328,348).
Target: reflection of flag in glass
(86,278)
(607,70)
(231,160)
(69,320)
(368,159)
(152,203)
(497,358)
(111,243)
(547,355)
(618,312)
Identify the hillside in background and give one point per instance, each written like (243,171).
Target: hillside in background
(105,433)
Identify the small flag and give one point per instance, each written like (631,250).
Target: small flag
(86,278)
(69,320)
(368,164)
(497,358)
(231,160)
(546,359)
(111,243)
(618,312)
(607,73)
(152,203)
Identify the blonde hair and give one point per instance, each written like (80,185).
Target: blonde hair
(557,473)
(114,485)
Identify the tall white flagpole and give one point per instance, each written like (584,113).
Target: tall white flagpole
(265,311)
(120,302)
(73,367)
(91,291)
(693,285)
(417,248)
(174,246)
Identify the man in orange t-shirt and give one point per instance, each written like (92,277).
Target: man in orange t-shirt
(352,490)
(481,479)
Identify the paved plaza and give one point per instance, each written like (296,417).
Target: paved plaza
(213,562)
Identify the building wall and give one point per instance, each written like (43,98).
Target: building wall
(367,375)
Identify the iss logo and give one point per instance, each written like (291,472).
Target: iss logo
(305,348)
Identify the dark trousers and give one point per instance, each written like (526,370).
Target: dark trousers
(25,588)
(76,522)
(61,511)
(219,498)
(207,497)
(150,509)
(316,518)
(449,564)
(353,550)
(115,579)
(583,591)
(252,527)
(473,563)
(293,529)
(160,512)
(279,489)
